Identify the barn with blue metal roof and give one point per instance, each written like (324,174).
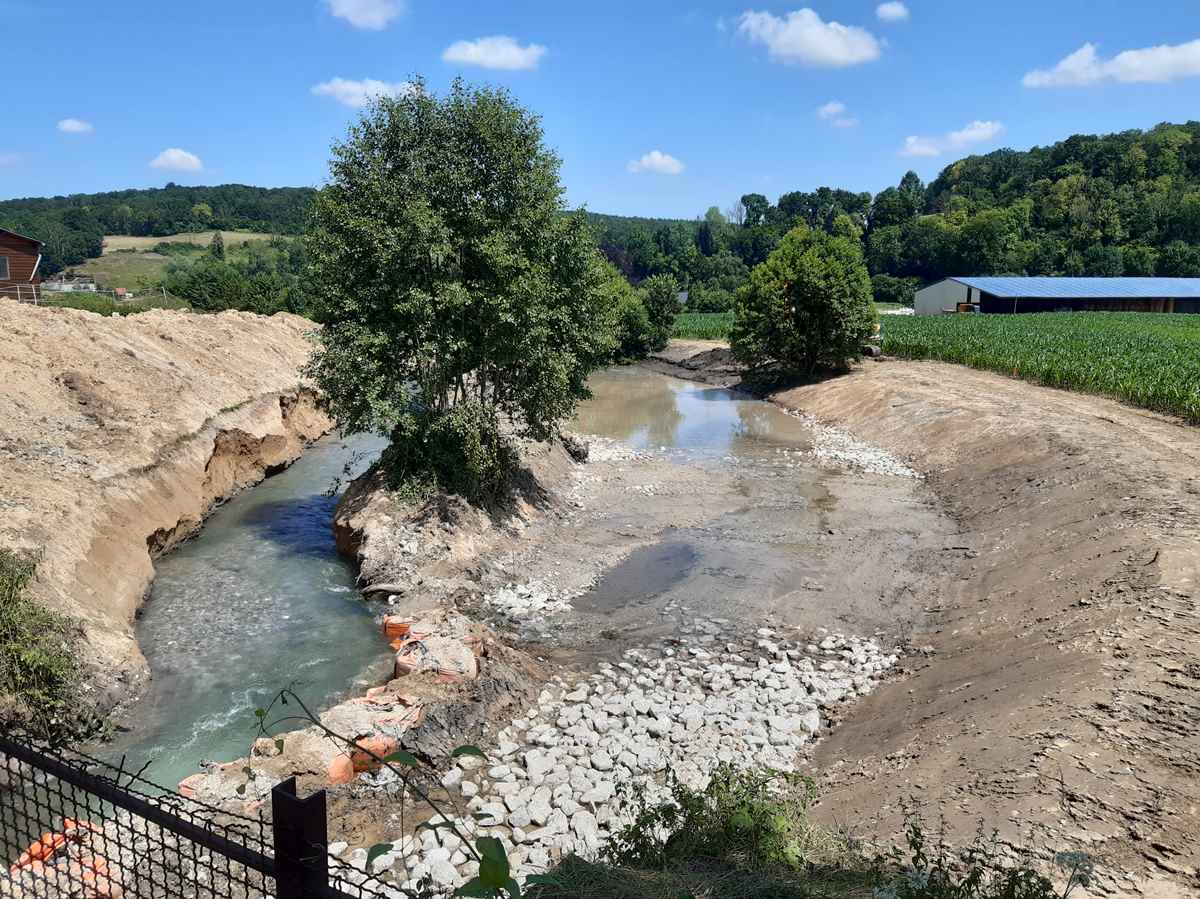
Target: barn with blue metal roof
(1016,295)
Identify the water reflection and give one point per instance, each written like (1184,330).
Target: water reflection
(650,410)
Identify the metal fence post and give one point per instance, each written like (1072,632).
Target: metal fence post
(301,842)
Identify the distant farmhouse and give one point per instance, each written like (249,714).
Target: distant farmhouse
(20,258)
(1009,295)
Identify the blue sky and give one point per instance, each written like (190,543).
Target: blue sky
(734,96)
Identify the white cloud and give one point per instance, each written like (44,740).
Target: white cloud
(802,38)
(1085,66)
(920,146)
(75,126)
(372,15)
(357,94)
(658,162)
(497,52)
(976,132)
(177,160)
(892,12)
(834,112)
(9,158)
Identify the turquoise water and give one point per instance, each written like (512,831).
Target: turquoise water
(258,601)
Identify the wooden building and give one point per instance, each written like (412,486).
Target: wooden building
(1009,295)
(20,259)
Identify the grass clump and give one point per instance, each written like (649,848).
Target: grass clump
(703,326)
(38,670)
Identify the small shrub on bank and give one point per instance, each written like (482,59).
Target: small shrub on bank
(38,671)
(929,868)
(754,819)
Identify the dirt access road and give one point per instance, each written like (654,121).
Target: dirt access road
(1061,699)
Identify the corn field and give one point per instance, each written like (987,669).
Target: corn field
(1147,360)
(703,325)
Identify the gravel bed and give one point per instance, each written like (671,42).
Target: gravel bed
(550,786)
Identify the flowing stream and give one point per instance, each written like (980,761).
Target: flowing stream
(258,601)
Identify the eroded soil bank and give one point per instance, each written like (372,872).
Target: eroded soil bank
(1061,699)
(119,434)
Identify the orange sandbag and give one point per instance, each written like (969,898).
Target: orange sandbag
(396,626)
(446,657)
(371,750)
(41,850)
(341,769)
(93,873)
(73,827)
(187,786)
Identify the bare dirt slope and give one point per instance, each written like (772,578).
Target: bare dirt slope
(1062,695)
(118,435)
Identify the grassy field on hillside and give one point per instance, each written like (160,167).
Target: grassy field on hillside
(1148,360)
(703,325)
(133,271)
(114,243)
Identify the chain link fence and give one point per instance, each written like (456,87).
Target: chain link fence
(73,826)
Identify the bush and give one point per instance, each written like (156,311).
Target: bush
(709,298)
(634,331)
(890,289)
(462,451)
(103,305)
(808,307)
(754,819)
(38,671)
(661,296)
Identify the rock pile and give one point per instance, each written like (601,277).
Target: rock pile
(689,705)
(518,603)
(835,445)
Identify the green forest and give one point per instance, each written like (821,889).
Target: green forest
(1119,204)
(72,228)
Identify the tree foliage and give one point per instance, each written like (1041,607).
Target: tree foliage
(1125,203)
(808,307)
(450,275)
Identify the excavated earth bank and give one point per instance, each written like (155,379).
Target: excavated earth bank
(1059,697)
(119,434)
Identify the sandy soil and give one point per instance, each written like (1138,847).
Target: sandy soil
(118,435)
(1060,700)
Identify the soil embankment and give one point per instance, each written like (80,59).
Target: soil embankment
(119,435)
(1060,698)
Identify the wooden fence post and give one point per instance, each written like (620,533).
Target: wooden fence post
(301,842)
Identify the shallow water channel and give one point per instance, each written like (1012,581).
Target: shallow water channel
(653,411)
(258,601)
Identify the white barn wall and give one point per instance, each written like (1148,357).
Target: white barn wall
(937,298)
